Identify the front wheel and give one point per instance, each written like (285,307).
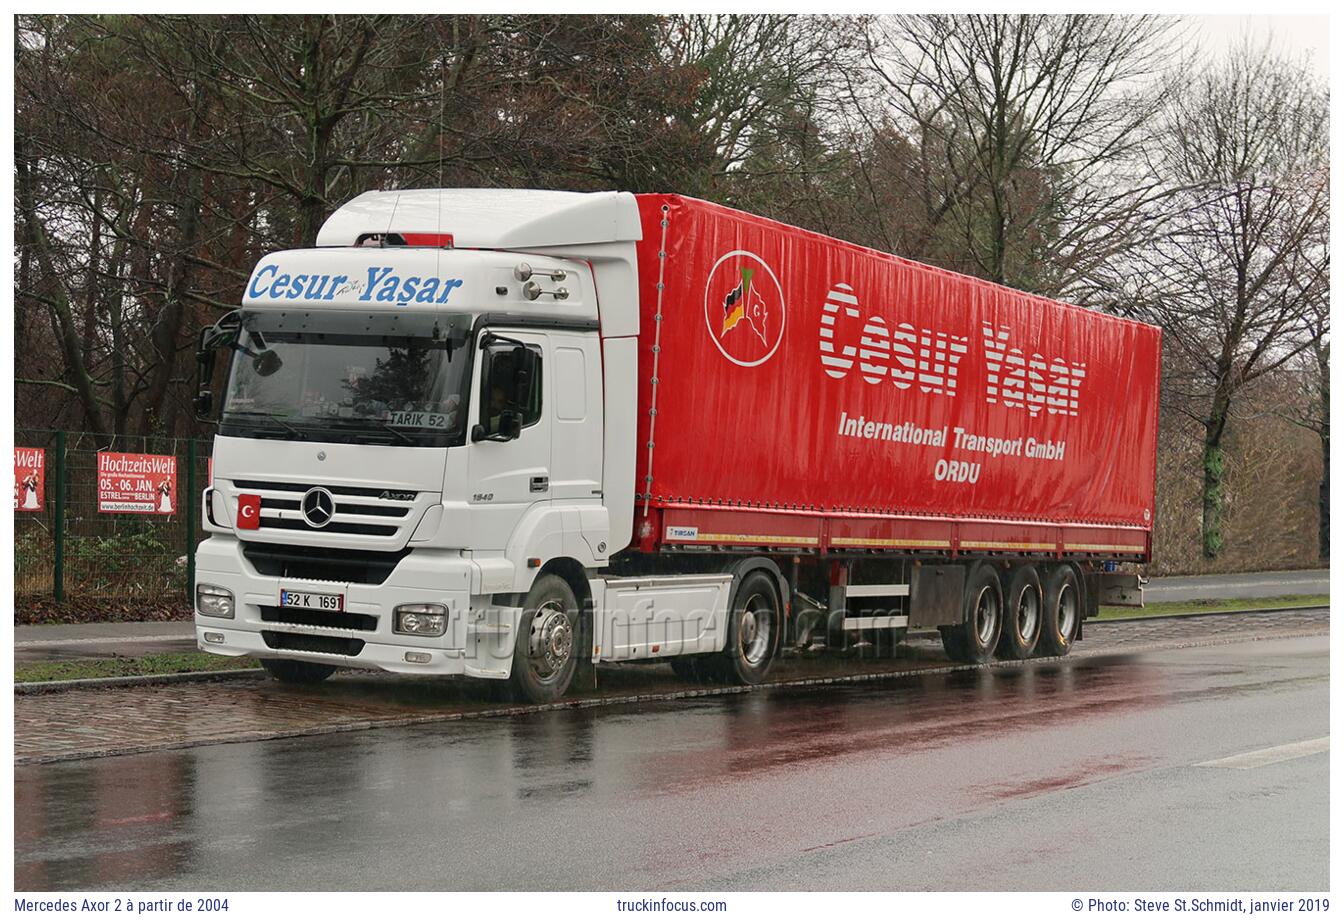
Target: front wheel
(546,650)
(754,629)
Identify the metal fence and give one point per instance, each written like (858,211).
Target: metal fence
(72,550)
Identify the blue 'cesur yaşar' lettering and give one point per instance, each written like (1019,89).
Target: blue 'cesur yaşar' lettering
(383,285)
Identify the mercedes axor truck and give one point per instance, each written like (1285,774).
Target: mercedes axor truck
(506,433)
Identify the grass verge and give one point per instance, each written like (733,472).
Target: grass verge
(1185,608)
(149,665)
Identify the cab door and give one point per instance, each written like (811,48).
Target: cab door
(507,474)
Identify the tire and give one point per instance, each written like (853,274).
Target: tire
(1063,611)
(297,672)
(546,649)
(1022,614)
(974,639)
(754,631)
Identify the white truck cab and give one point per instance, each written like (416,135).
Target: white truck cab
(426,417)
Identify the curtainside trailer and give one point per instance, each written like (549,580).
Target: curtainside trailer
(502,433)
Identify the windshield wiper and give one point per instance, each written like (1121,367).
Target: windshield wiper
(364,424)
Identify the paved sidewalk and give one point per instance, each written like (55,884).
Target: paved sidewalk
(101,640)
(1242,585)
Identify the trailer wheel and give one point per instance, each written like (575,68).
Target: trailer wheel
(1063,610)
(297,672)
(1022,614)
(545,653)
(974,639)
(753,631)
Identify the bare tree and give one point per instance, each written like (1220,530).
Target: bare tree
(1021,135)
(1240,278)
(1311,408)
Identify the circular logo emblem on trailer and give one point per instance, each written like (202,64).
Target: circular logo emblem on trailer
(744,308)
(318,506)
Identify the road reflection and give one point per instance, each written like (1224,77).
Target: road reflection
(462,805)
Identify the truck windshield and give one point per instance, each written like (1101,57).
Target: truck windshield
(395,378)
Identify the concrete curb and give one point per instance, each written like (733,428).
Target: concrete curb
(655,697)
(1208,613)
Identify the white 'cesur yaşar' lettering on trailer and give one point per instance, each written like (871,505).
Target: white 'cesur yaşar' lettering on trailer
(931,358)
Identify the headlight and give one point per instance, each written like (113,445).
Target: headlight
(420,619)
(214,601)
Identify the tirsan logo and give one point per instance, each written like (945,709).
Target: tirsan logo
(744,308)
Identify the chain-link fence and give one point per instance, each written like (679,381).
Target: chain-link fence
(74,549)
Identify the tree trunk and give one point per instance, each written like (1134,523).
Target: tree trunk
(1215,464)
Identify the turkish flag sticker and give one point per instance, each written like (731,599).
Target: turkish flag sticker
(249,512)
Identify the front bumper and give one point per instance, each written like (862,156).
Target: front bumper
(478,641)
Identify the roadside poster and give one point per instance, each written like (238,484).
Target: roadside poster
(30,479)
(137,483)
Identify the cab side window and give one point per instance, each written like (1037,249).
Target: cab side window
(499,388)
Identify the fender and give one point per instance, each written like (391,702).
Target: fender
(743,567)
(542,534)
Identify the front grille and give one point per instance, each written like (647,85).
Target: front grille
(377,512)
(297,616)
(367,530)
(299,642)
(255,485)
(318,563)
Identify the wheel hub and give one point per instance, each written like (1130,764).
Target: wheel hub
(551,641)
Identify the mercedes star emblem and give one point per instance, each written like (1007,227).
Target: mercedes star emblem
(318,507)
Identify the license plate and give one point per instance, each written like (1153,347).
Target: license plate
(309,601)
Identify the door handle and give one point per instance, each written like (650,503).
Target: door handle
(540,483)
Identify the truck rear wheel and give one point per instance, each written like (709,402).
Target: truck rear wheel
(297,672)
(545,652)
(1063,608)
(974,639)
(753,631)
(1022,609)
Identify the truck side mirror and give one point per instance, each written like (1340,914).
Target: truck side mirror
(224,332)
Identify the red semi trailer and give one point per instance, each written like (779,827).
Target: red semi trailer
(879,427)
(492,432)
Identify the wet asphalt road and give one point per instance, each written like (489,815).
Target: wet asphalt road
(1074,776)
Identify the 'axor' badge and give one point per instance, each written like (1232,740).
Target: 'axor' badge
(744,308)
